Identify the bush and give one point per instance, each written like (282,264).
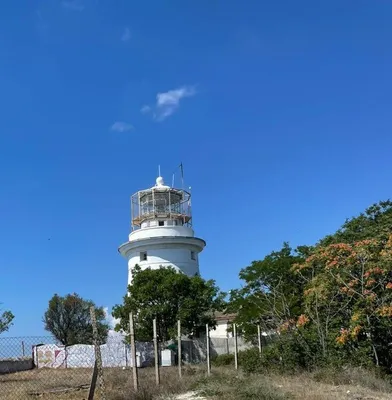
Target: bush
(223,359)
(249,360)
(229,385)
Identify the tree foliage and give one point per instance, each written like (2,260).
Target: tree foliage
(348,297)
(6,318)
(68,319)
(271,292)
(328,303)
(168,296)
(374,223)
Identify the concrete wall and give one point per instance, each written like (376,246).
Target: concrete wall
(221,330)
(15,365)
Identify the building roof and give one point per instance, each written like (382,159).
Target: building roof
(220,316)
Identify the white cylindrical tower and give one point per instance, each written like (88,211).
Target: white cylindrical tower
(162,233)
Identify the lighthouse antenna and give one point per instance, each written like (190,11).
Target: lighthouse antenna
(182,176)
(159,170)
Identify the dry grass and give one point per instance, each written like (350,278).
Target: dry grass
(41,383)
(29,384)
(351,384)
(305,387)
(224,384)
(119,383)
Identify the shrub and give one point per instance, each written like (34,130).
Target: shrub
(223,360)
(249,360)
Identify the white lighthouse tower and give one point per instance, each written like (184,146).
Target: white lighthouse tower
(162,233)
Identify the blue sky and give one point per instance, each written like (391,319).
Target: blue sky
(279,110)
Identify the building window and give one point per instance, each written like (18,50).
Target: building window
(193,255)
(143,256)
(161,223)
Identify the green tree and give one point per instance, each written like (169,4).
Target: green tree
(374,223)
(271,293)
(6,319)
(68,319)
(168,296)
(331,302)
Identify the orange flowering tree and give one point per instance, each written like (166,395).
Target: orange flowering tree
(348,297)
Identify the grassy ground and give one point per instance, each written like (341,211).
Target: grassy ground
(224,384)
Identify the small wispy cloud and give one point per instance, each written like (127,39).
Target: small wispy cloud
(126,36)
(168,102)
(145,109)
(120,126)
(75,5)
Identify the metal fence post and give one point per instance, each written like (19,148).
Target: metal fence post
(208,350)
(235,346)
(133,352)
(157,378)
(179,348)
(259,337)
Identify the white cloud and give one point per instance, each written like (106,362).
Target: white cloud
(74,5)
(126,35)
(168,102)
(145,109)
(110,319)
(120,126)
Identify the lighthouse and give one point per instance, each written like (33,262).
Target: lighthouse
(161,231)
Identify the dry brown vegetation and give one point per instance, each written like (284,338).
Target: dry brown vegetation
(358,385)
(72,384)
(224,383)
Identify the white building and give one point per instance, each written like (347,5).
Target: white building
(162,233)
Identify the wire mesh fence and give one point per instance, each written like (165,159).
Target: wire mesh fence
(36,366)
(39,367)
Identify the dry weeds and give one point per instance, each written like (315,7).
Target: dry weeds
(352,384)
(224,383)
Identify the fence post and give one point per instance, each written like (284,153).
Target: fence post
(179,353)
(97,349)
(23,349)
(93,382)
(157,378)
(208,350)
(259,338)
(133,353)
(235,346)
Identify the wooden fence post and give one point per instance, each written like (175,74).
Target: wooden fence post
(98,358)
(179,353)
(208,350)
(156,356)
(93,382)
(133,353)
(235,346)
